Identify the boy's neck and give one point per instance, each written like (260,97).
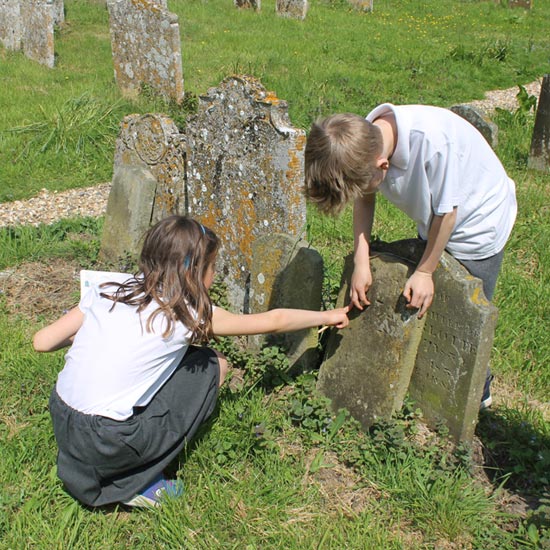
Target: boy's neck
(388,127)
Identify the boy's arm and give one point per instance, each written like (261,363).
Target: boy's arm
(361,279)
(60,333)
(419,289)
(225,323)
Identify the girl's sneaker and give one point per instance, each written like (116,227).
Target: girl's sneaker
(153,495)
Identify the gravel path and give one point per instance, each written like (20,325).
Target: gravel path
(49,206)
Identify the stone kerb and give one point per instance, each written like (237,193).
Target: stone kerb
(454,352)
(368,365)
(244,174)
(145,41)
(148,181)
(287,272)
(296,9)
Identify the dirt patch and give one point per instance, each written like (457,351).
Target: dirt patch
(39,290)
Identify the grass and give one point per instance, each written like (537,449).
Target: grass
(275,468)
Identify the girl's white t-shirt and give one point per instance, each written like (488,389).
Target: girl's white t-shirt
(114,364)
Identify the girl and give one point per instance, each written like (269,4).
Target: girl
(134,390)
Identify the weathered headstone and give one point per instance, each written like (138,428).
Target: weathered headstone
(255,5)
(244,173)
(362,5)
(454,352)
(145,41)
(128,211)
(10,24)
(29,26)
(539,156)
(296,9)
(58,11)
(487,128)
(368,365)
(149,149)
(286,272)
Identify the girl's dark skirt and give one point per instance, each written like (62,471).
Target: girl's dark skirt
(102,461)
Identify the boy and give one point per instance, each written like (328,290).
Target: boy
(433,165)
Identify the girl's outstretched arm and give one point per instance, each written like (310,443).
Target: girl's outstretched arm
(225,323)
(60,333)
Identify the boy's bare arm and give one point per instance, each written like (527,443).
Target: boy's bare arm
(419,289)
(60,333)
(361,279)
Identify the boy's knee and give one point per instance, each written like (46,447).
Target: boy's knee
(223,365)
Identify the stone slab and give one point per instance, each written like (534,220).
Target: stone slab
(368,366)
(295,9)
(539,155)
(454,352)
(480,121)
(285,272)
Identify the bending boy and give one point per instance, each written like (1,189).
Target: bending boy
(434,166)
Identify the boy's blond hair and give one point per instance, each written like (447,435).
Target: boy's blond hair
(340,160)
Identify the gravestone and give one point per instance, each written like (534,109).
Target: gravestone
(296,9)
(487,128)
(29,26)
(454,352)
(368,365)
(244,171)
(362,5)
(539,156)
(149,175)
(285,272)
(128,214)
(58,11)
(145,41)
(255,5)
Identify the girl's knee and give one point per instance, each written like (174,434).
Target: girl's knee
(223,365)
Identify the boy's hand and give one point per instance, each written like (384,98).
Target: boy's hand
(419,291)
(361,281)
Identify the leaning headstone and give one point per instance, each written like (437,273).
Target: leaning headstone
(148,175)
(454,352)
(286,272)
(255,5)
(487,128)
(145,41)
(539,156)
(368,365)
(296,9)
(244,170)
(362,5)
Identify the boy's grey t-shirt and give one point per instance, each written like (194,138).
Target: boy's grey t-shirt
(441,161)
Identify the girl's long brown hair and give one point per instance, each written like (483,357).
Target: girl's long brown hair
(174,260)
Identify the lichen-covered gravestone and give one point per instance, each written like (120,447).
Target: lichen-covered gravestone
(244,174)
(368,365)
(454,352)
(148,182)
(296,9)
(286,272)
(145,41)
(255,5)
(539,156)
(29,26)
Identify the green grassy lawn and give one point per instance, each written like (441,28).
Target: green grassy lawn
(275,469)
